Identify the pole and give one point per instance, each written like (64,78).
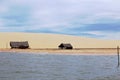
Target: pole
(118,55)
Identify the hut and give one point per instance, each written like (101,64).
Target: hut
(65,46)
(19,45)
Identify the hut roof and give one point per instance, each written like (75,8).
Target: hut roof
(65,46)
(16,44)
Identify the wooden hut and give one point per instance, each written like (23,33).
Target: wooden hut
(65,46)
(19,45)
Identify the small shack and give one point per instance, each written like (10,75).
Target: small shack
(19,45)
(65,46)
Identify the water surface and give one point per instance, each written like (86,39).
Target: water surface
(22,66)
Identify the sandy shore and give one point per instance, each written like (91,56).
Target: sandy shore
(99,51)
(48,43)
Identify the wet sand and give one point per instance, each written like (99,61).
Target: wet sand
(83,51)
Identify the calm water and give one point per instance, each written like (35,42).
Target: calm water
(20,66)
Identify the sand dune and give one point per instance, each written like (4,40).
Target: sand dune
(43,40)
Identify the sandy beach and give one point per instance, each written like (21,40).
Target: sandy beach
(48,43)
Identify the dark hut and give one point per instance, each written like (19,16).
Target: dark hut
(19,45)
(65,46)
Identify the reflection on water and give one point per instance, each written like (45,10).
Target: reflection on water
(20,66)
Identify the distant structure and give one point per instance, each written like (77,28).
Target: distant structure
(65,46)
(19,45)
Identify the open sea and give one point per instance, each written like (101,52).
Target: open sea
(22,66)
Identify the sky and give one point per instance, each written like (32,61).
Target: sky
(88,18)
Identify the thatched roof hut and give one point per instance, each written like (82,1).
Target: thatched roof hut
(19,45)
(65,46)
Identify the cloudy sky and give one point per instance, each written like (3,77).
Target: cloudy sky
(89,18)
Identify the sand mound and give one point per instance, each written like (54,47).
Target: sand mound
(43,40)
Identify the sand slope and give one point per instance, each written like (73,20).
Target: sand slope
(42,40)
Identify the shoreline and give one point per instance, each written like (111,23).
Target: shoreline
(82,51)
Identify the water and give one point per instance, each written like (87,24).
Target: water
(22,66)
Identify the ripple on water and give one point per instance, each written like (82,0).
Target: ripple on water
(22,66)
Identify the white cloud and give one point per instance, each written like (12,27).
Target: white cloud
(58,15)
(1,24)
(3,8)
(69,10)
(46,11)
